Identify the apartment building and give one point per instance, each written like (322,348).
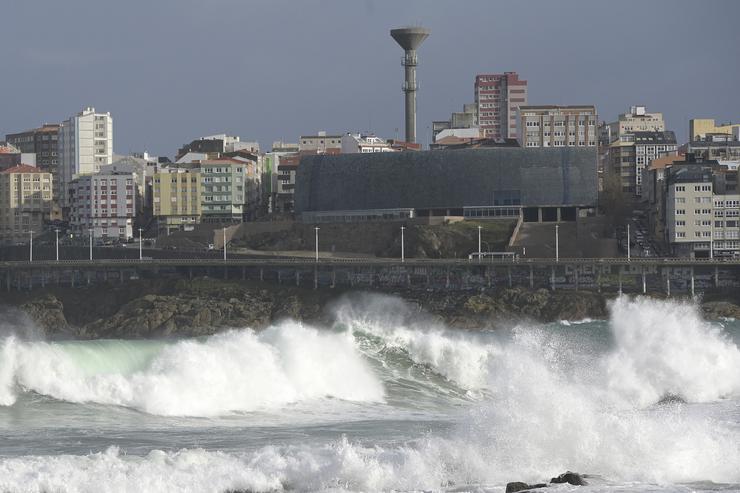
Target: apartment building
(702,204)
(497,98)
(85,144)
(43,143)
(637,119)
(719,146)
(105,202)
(632,152)
(25,202)
(557,126)
(286,179)
(176,198)
(223,193)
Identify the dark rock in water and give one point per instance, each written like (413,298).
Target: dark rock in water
(519,486)
(571,478)
(671,399)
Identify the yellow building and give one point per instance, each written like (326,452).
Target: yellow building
(25,202)
(176,198)
(700,127)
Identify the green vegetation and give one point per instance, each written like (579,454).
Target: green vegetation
(383,239)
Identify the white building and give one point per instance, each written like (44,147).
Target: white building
(702,210)
(359,143)
(636,120)
(85,143)
(104,202)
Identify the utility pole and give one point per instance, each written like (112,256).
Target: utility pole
(224,243)
(56,232)
(30,247)
(140,243)
(91,231)
(629,250)
(317,242)
(557,243)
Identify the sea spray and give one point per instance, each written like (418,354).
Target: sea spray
(666,348)
(233,371)
(549,399)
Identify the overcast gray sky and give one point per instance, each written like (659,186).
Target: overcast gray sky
(173,70)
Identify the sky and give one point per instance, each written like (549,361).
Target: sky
(170,71)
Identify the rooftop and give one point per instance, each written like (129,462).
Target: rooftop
(558,107)
(22,168)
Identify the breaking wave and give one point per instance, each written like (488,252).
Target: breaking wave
(541,399)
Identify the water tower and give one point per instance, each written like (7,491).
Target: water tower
(410,38)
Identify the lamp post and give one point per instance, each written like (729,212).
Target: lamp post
(629,250)
(56,232)
(316,229)
(30,247)
(91,235)
(403,254)
(140,243)
(557,243)
(479,250)
(224,243)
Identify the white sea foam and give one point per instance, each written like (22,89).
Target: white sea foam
(666,348)
(554,404)
(234,371)
(554,408)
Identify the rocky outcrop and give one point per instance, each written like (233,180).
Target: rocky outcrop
(721,309)
(202,306)
(541,305)
(517,486)
(161,315)
(571,478)
(47,313)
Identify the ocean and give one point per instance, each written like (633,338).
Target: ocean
(385,399)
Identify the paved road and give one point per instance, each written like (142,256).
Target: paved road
(257,262)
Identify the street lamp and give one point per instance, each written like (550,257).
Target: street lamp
(629,250)
(56,232)
(403,254)
(557,243)
(224,243)
(30,247)
(317,242)
(91,235)
(479,250)
(140,243)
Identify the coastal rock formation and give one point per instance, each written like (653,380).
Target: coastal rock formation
(47,312)
(158,315)
(162,308)
(571,478)
(721,309)
(517,486)
(541,305)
